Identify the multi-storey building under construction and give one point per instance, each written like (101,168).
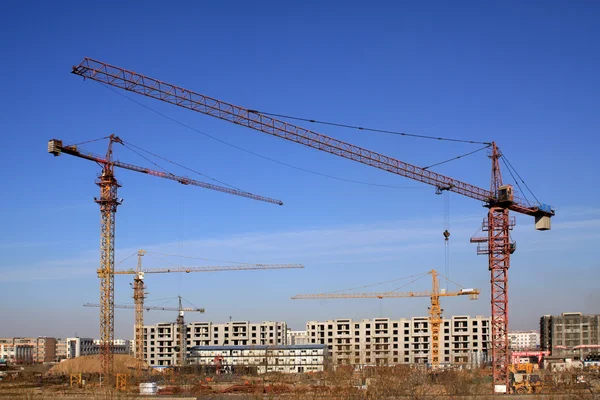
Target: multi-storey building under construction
(162,340)
(382,341)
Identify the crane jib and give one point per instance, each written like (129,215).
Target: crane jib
(166,92)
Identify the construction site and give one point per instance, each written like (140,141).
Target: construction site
(348,269)
(440,357)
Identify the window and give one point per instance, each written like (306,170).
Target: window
(356,326)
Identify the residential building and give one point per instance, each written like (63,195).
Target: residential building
(570,334)
(43,349)
(382,341)
(261,359)
(297,337)
(161,340)
(523,340)
(16,353)
(61,349)
(77,347)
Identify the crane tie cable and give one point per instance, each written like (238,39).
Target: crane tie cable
(456,158)
(514,169)
(384,282)
(201,258)
(252,152)
(360,128)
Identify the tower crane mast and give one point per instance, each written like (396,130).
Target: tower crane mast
(109,202)
(499,199)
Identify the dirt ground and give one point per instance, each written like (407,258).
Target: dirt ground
(400,382)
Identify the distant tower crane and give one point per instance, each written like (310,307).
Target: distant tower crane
(499,199)
(109,202)
(139,293)
(180,324)
(435,311)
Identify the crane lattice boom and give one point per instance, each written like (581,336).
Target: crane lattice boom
(257,267)
(148,308)
(56,147)
(380,295)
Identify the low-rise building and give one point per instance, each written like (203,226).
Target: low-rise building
(77,347)
(43,349)
(16,353)
(261,359)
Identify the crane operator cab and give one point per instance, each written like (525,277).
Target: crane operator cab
(505,195)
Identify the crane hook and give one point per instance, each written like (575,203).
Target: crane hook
(446,234)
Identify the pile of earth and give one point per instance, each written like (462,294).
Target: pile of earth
(123,364)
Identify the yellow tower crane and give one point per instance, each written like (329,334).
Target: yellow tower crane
(139,294)
(435,311)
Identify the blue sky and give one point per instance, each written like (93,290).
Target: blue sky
(522,74)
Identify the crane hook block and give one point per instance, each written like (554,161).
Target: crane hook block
(446,234)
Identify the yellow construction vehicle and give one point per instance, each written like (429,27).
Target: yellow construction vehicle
(523,380)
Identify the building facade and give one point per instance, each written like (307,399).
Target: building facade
(381,341)
(16,353)
(524,340)
(162,340)
(297,337)
(261,359)
(571,334)
(77,347)
(43,349)
(61,349)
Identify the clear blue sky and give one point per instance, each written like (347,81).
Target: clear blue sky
(524,74)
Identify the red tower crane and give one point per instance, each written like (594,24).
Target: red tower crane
(109,202)
(499,199)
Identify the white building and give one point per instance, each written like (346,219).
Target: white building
(524,340)
(261,359)
(77,347)
(381,341)
(297,337)
(162,340)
